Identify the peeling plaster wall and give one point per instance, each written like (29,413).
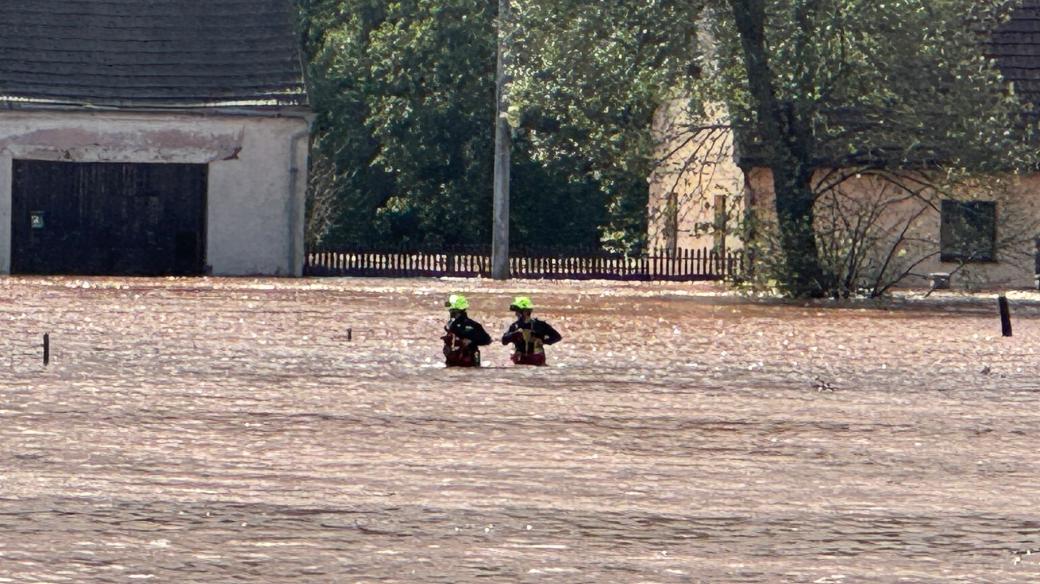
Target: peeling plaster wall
(257,174)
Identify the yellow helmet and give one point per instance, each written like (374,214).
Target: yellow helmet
(457,302)
(521,303)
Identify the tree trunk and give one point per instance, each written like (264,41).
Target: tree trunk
(789,154)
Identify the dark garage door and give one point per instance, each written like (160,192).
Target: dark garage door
(108,219)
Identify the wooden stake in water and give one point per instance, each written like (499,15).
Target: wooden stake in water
(46,349)
(1005,316)
(350,334)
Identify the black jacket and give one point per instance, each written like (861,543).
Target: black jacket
(539,329)
(465,327)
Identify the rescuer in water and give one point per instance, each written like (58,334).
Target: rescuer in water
(528,335)
(463,336)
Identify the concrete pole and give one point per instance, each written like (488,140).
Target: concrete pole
(500,235)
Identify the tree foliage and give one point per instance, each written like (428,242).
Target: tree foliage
(899,85)
(589,79)
(404,91)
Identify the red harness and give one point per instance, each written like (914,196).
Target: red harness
(455,355)
(533,353)
(537,359)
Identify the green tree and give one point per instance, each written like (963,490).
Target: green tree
(589,78)
(404,92)
(822,84)
(336,44)
(404,97)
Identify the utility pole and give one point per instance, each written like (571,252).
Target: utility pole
(500,235)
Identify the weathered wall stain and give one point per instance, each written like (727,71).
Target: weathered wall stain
(70,142)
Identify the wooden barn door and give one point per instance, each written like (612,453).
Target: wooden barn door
(108,219)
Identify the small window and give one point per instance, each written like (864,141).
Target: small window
(968,232)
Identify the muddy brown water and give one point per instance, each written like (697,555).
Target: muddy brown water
(227,430)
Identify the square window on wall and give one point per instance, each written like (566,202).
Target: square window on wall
(968,232)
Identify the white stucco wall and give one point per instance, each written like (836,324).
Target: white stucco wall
(257,174)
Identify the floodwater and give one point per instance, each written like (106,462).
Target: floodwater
(304,431)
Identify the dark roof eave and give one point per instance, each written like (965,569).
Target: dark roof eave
(239,109)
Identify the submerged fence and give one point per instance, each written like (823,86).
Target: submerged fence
(685,265)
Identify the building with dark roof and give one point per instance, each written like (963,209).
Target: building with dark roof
(151,137)
(982,233)
(1015,45)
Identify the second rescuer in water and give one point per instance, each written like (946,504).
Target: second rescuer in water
(528,335)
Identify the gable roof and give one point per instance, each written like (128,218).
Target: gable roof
(1015,45)
(150,53)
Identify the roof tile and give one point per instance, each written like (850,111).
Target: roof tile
(1015,45)
(152,53)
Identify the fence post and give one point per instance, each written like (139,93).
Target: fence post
(1005,316)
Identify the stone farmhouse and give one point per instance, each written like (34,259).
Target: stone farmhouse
(152,138)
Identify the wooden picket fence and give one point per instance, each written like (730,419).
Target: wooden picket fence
(685,265)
